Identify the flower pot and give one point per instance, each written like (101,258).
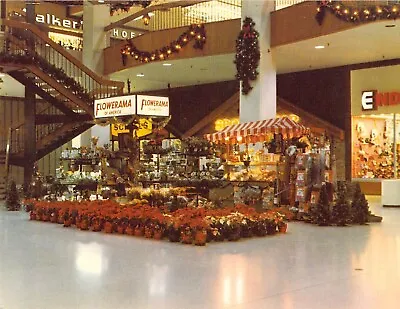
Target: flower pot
(67,222)
(158,233)
(84,226)
(148,232)
(53,218)
(246,231)
(200,238)
(233,234)
(139,231)
(129,230)
(46,218)
(108,228)
(271,229)
(32,215)
(173,235)
(120,229)
(186,236)
(60,220)
(282,228)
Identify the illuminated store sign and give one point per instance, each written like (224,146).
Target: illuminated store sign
(113,107)
(372,99)
(53,20)
(152,106)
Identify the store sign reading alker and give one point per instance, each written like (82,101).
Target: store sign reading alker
(372,99)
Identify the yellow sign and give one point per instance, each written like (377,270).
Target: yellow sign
(223,123)
(117,128)
(145,128)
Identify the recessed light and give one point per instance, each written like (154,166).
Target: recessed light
(2,74)
(140,75)
(390,26)
(101,1)
(319,46)
(167,64)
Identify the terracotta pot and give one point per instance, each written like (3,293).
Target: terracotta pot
(186,237)
(84,226)
(282,228)
(271,229)
(96,226)
(46,218)
(129,230)
(32,215)
(173,235)
(120,229)
(53,218)
(108,228)
(158,234)
(139,231)
(200,238)
(67,222)
(60,220)
(148,232)
(233,234)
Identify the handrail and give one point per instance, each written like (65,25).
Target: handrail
(36,31)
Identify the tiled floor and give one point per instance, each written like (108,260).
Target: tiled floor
(47,266)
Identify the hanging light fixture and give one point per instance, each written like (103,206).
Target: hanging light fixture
(146,19)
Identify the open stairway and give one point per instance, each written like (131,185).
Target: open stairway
(52,73)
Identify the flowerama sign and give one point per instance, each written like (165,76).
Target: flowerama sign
(114,107)
(152,106)
(372,99)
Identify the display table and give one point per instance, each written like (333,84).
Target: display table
(391,193)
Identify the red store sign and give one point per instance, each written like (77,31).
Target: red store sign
(372,99)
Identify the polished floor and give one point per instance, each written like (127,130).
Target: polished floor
(45,266)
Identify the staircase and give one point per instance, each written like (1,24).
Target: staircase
(53,74)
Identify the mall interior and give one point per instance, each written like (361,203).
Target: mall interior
(250,143)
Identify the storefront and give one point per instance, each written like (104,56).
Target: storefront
(375,122)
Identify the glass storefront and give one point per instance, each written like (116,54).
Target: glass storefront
(376,146)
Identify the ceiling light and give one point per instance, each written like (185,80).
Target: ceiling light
(167,64)
(319,46)
(2,74)
(140,75)
(101,1)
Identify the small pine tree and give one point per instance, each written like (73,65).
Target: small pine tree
(359,207)
(12,198)
(341,209)
(321,214)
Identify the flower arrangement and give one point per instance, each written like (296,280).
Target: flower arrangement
(188,225)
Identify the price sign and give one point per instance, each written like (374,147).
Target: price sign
(117,128)
(145,127)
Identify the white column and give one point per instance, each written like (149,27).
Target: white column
(260,102)
(95,39)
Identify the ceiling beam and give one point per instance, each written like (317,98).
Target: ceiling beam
(49,119)
(157,7)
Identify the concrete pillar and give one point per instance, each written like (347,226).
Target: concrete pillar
(95,18)
(260,103)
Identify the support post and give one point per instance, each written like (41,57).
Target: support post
(29,135)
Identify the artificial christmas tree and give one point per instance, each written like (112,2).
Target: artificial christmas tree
(12,199)
(341,209)
(359,207)
(321,213)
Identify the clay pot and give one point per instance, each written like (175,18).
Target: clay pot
(53,218)
(282,227)
(67,222)
(46,218)
(129,230)
(84,226)
(139,231)
(96,226)
(158,234)
(173,235)
(271,229)
(233,234)
(148,232)
(186,236)
(108,228)
(200,238)
(32,215)
(60,220)
(120,229)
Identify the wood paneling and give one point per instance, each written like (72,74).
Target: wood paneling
(297,23)
(221,38)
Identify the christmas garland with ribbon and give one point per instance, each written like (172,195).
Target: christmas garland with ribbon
(247,56)
(354,14)
(116,7)
(194,32)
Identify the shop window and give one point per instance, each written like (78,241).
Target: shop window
(373,140)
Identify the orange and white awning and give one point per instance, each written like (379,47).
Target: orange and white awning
(258,130)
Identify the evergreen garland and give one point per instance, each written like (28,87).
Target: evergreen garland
(247,54)
(359,207)
(341,209)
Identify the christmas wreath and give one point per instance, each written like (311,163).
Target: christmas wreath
(247,54)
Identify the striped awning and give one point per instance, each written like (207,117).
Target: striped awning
(258,130)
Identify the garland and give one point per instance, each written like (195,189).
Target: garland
(247,54)
(126,6)
(355,14)
(194,32)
